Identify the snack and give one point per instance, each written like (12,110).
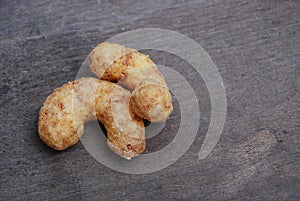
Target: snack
(62,117)
(150,98)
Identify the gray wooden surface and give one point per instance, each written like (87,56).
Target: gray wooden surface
(255,45)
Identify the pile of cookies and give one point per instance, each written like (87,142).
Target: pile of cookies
(141,93)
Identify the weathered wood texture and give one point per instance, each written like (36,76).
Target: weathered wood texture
(255,45)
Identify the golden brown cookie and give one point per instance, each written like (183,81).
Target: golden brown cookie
(151,98)
(62,117)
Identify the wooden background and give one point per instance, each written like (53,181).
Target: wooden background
(254,44)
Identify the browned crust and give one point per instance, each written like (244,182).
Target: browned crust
(134,70)
(64,112)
